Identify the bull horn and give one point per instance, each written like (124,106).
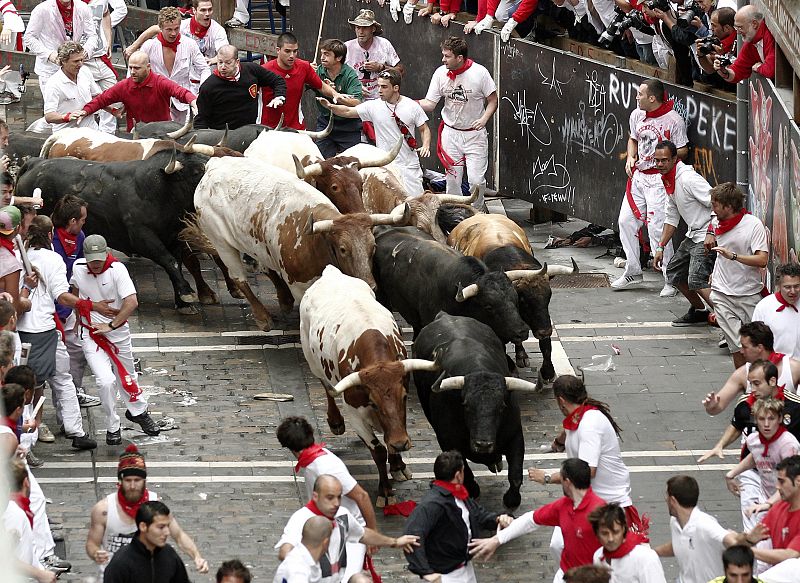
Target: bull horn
(135,133)
(466,293)
(458,199)
(174,165)
(451,384)
(319,135)
(382,160)
(348,382)
(298,168)
(188,145)
(400,215)
(309,171)
(223,141)
(185,129)
(517,274)
(412,364)
(562,269)
(515,384)
(280,124)
(321,226)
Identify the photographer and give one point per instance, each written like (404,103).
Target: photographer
(677,32)
(722,42)
(643,39)
(758,51)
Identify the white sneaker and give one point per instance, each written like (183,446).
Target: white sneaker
(627,281)
(668,291)
(620,262)
(235,23)
(722,342)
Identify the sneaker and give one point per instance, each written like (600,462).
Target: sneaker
(114,437)
(45,435)
(86,400)
(57,535)
(56,562)
(235,23)
(33,461)
(620,262)
(722,342)
(145,422)
(627,281)
(668,291)
(83,442)
(693,317)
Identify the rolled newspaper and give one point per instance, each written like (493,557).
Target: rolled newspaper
(23,254)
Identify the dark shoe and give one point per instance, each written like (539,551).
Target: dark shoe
(58,536)
(33,461)
(693,317)
(54,562)
(83,442)
(114,437)
(145,422)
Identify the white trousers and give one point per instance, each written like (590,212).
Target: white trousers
(43,543)
(65,397)
(355,559)
(470,150)
(77,360)
(650,197)
(784,572)
(109,385)
(557,544)
(105,79)
(465,574)
(412,177)
(240,12)
(750,492)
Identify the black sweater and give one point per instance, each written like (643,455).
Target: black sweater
(442,533)
(133,563)
(235,103)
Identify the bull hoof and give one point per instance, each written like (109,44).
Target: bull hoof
(236,293)
(512,499)
(188,298)
(264,325)
(401,475)
(188,310)
(547,376)
(209,298)
(496,467)
(380,502)
(391,500)
(523,362)
(337,428)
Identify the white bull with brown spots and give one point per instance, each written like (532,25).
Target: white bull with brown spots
(354,347)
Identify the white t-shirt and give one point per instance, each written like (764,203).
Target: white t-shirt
(464,96)
(113,284)
(691,202)
(18,527)
(387,133)
(331,465)
(332,563)
(641,565)
(380,51)
(298,567)
(64,96)
(785,325)
(698,547)
(595,442)
(785,446)
(52,283)
(734,278)
(215,38)
(649,131)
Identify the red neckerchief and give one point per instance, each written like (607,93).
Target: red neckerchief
(60,327)
(780,395)
(7,243)
(662,109)
(308,455)
(130,508)
(458,491)
(66,16)
(24,503)
(453,74)
(669,180)
(109,260)
(728,42)
(631,540)
(198,29)
(404,131)
(728,224)
(234,78)
(766,442)
(68,241)
(776,358)
(784,304)
(572,420)
(312,506)
(165,44)
(10,423)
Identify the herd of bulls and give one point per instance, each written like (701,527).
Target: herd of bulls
(341,237)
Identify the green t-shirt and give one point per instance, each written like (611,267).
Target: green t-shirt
(346,83)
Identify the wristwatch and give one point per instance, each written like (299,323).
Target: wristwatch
(547,478)
(734,256)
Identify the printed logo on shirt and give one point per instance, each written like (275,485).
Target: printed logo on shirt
(118,541)
(253,89)
(458,94)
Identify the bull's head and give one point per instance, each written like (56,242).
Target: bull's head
(387,388)
(336,178)
(425,208)
(484,397)
(492,299)
(173,165)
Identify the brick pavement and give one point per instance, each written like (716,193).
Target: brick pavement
(236,508)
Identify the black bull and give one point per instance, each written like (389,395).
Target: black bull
(137,206)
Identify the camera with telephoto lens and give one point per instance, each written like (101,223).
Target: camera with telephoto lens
(725,61)
(621,23)
(691,10)
(706,46)
(662,5)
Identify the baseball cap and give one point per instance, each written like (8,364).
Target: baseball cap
(94,248)
(10,218)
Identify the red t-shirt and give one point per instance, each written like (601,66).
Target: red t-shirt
(296,79)
(784,526)
(580,543)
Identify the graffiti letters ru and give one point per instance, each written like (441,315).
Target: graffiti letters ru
(592,129)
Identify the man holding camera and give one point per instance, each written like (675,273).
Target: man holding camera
(719,45)
(677,33)
(758,51)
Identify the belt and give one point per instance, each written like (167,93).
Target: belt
(459,129)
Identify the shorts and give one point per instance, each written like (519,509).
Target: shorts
(732,312)
(691,265)
(42,357)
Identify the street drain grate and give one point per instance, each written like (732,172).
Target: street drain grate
(579,280)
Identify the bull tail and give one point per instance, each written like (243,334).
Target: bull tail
(48,143)
(195,238)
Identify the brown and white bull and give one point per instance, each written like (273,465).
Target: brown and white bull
(286,225)
(503,246)
(354,347)
(97,146)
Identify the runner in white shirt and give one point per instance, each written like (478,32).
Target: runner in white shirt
(12,25)
(631,560)
(470,100)
(394,117)
(780,312)
(176,58)
(369,53)
(740,240)
(68,89)
(697,539)
(653,121)
(301,565)
(106,14)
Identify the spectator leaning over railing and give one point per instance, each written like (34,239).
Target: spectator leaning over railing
(758,51)
(675,36)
